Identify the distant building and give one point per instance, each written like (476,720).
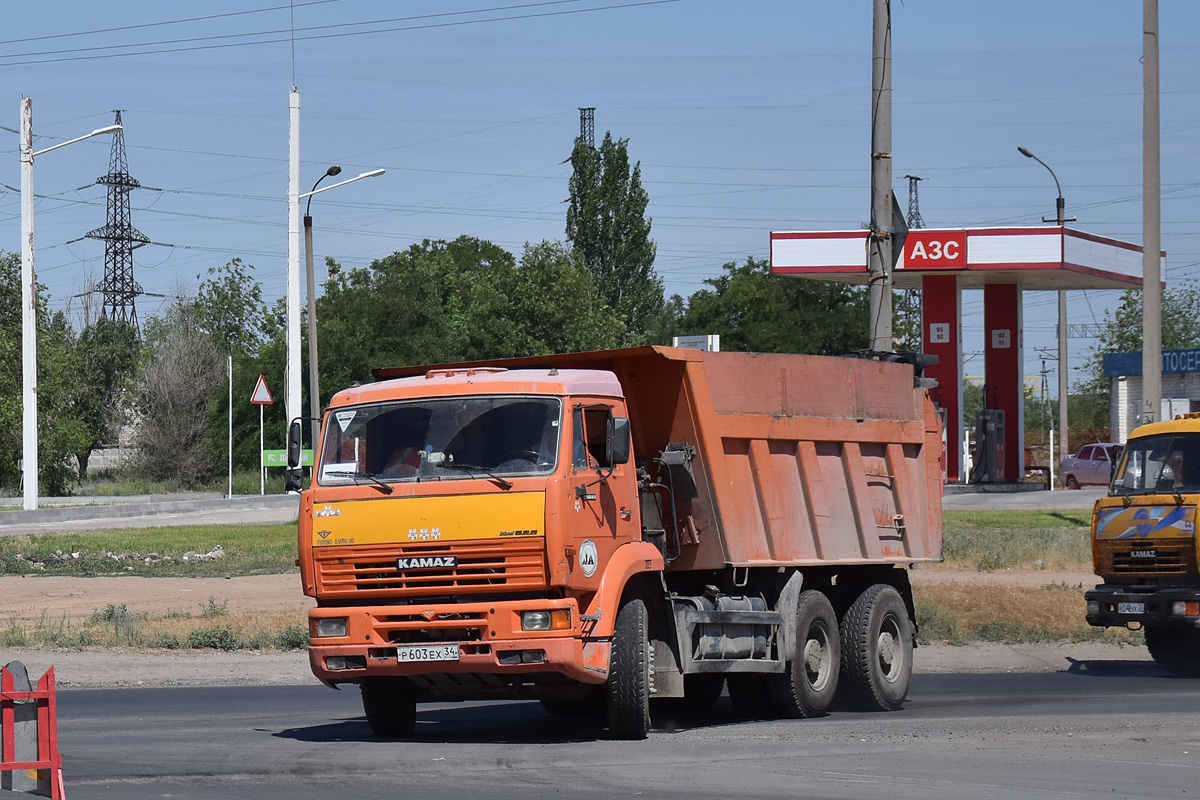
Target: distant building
(1180,387)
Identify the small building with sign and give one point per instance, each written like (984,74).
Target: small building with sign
(1004,263)
(1180,387)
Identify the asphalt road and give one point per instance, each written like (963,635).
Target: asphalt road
(1117,732)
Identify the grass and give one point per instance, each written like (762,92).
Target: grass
(118,482)
(957,613)
(159,552)
(1028,540)
(115,626)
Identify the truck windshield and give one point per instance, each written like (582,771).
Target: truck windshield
(425,439)
(1169,463)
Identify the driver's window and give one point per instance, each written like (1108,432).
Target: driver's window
(589,437)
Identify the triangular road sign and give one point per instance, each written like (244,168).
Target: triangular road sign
(262,395)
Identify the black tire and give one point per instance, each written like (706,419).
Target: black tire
(749,695)
(1177,650)
(1071,483)
(877,647)
(390,705)
(629,674)
(808,686)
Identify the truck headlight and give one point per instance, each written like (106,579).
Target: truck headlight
(556,620)
(1183,608)
(1093,608)
(331,626)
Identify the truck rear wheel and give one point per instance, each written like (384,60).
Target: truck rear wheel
(807,687)
(390,705)
(877,646)
(629,674)
(1177,650)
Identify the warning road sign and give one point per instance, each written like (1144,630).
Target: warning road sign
(262,395)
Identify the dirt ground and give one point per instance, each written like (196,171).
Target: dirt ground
(52,597)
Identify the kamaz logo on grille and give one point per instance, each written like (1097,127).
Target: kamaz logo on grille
(1144,553)
(427,562)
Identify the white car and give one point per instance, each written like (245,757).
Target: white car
(1092,465)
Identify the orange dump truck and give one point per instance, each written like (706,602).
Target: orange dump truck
(601,529)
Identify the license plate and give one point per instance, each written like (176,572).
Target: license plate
(1131,608)
(426,652)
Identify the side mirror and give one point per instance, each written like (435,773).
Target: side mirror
(293,444)
(618,442)
(293,479)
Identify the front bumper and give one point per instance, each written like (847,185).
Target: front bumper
(1156,604)
(487,636)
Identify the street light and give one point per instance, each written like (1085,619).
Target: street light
(1061,219)
(1060,203)
(314,389)
(314,395)
(29,464)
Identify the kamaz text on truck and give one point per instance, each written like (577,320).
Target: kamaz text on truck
(599,530)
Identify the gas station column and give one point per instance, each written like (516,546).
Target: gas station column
(941,335)
(1003,360)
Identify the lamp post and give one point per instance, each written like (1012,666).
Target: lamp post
(29,433)
(314,389)
(1060,219)
(314,392)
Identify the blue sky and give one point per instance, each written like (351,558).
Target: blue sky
(746,118)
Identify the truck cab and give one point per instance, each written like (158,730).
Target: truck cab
(1144,544)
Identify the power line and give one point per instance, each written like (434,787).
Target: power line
(182,21)
(281,36)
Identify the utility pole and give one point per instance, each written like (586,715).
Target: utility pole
(879,241)
(292,392)
(1151,221)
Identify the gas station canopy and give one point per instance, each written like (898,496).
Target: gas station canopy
(1041,258)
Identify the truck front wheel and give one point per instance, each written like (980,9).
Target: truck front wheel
(390,705)
(807,687)
(1177,650)
(877,647)
(629,674)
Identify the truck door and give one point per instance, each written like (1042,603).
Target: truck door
(605,493)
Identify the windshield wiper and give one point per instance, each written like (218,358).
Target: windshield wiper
(380,485)
(506,485)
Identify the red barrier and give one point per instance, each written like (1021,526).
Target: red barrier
(49,759)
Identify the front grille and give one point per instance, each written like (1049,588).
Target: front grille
(364,572)
(1170,558)
(427,627)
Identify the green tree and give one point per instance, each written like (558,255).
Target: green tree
(608,227)
(756,311)
(229,306)
(457,301)
(554,304)
(180,381)
(1123,334)
(107,357)
(59,431)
